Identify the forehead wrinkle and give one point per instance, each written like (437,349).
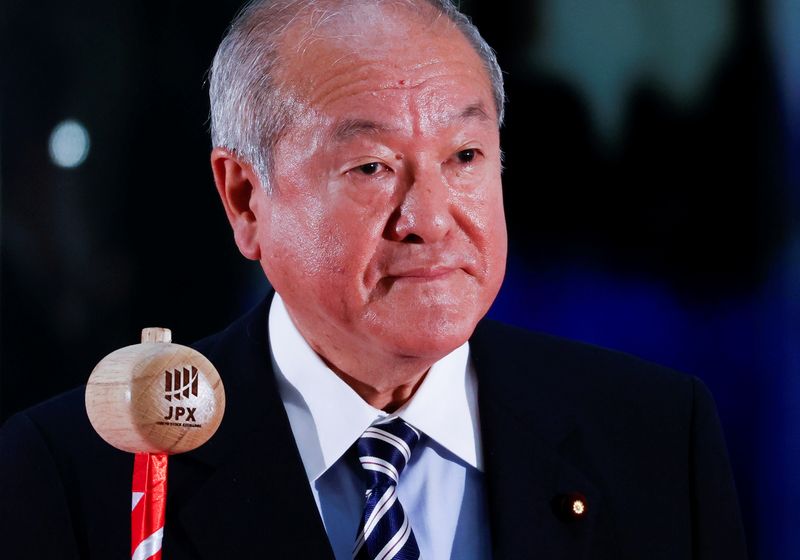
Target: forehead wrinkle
(350,128)
(474,112)
(352,78)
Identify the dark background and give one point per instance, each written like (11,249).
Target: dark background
(652,189)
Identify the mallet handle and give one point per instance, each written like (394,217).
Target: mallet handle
(148,505)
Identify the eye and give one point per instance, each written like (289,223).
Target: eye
(370,168)
(466,156)
(369,171)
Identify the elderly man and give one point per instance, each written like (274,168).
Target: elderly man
(357,158)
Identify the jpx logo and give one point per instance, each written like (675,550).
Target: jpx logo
(180,384)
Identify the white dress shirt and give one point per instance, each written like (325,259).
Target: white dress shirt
(441,488)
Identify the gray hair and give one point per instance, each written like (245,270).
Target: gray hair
(250,110)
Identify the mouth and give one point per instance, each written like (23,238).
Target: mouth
(438,271)
(423,274)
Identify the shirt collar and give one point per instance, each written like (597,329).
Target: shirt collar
(327,416)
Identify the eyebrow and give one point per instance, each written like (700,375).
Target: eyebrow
(350,128)
(476,110)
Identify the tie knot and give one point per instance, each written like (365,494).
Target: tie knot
(384,449)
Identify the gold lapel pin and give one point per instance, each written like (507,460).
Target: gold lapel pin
(571,507)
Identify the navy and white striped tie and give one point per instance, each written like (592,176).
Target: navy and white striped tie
(385,533)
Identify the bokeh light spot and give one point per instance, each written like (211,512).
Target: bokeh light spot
(69,144)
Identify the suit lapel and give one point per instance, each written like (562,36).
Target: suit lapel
(527,443)
(245,491)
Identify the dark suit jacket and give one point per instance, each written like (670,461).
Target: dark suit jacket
(641,443)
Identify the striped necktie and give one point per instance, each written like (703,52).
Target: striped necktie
(385,533)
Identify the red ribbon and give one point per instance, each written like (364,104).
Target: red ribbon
(148,505)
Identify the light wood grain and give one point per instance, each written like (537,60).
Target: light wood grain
(138,403)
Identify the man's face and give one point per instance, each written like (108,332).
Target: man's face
(385,232)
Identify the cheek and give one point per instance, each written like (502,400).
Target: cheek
(497,244)
(292,236)
(481,211)
(355,222)
(481,217)
(333,239)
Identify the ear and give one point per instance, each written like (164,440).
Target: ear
(239,189)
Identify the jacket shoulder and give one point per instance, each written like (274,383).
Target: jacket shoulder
(527,357)
(646,437)
(60,421)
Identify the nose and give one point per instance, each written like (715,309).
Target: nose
(424,214)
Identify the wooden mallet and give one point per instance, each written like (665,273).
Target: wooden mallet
(154,399)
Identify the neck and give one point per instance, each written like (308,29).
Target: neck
(385,380)
(388,395)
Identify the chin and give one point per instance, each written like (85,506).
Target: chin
(427,320)
(432,337)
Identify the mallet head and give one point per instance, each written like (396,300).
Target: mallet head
(155,397)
